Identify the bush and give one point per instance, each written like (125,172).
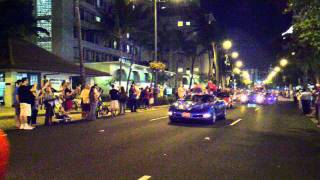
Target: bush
(165,101)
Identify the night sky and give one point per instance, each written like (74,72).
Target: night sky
(253,25)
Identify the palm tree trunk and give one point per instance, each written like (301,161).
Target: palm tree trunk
(192,70)
(210,65)
(10,51)
(305,78)
(216,63)
(129,75)
(78,29)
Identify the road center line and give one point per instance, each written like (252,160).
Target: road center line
(145,177)
(235,122)
(257,109)
(156,119)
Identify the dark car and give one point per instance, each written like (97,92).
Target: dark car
(199,108)
(256,98)
(270,98)
(226,97)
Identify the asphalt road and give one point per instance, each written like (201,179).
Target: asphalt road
(269,142)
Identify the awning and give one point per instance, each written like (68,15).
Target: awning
(30,57)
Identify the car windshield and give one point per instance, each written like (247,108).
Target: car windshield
(200,98)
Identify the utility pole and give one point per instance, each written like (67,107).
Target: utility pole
(155,49)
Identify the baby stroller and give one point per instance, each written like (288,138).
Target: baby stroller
(102,109)
(59,112)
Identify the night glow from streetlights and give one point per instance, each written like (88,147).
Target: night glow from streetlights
(236,71)
(227,45)
(283,62)
(277,69)
(235,55)
(239,64)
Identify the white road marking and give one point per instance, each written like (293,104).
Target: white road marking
(156,119)
(145,177)
(235,122)
(207,138)
(257,109)
(101,131)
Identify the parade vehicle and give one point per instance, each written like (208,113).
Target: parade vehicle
(227,98)
(203,108)
(270,98)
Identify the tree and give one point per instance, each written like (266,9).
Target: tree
(16,22)
(122,19)
(80,45)
(305,40)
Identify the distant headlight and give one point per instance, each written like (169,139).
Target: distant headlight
(244,98)
(259,99)
(207,115)
(170,113)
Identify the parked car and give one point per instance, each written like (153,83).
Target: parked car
(206,108)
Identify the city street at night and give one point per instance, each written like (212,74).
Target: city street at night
(269,142)
(159,89)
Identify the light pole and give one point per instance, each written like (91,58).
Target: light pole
(155,31)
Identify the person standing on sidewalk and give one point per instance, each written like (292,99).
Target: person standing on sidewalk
(94,99)
(306,100)
(34,107)
(123,97)
(16,104)
(114,105)
(85,101)
(49,102)
(133,98)
(25,93)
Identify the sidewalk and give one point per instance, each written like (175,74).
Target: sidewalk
(7,119)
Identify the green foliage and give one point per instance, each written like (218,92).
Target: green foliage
(307,22)
(17,20)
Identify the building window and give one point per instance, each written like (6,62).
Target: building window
(180,23)
(188,23)
(44,7)
(45,24)
(44,12)
(47,45)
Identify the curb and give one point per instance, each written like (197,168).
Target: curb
(72,112)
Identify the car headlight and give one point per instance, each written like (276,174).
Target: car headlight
(207,115)
(170,113)
(259,99)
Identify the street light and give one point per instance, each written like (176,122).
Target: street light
(234,55)
(227,45)
(277,69)
(236,71)
(239,64)
(283,62)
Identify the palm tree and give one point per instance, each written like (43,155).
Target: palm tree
(16,22)
(80,45)
(124,18)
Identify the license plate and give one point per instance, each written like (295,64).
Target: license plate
(186,115)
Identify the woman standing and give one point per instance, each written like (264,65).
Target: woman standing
(123,100)
(94,99)
(49,101)
(68,96)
